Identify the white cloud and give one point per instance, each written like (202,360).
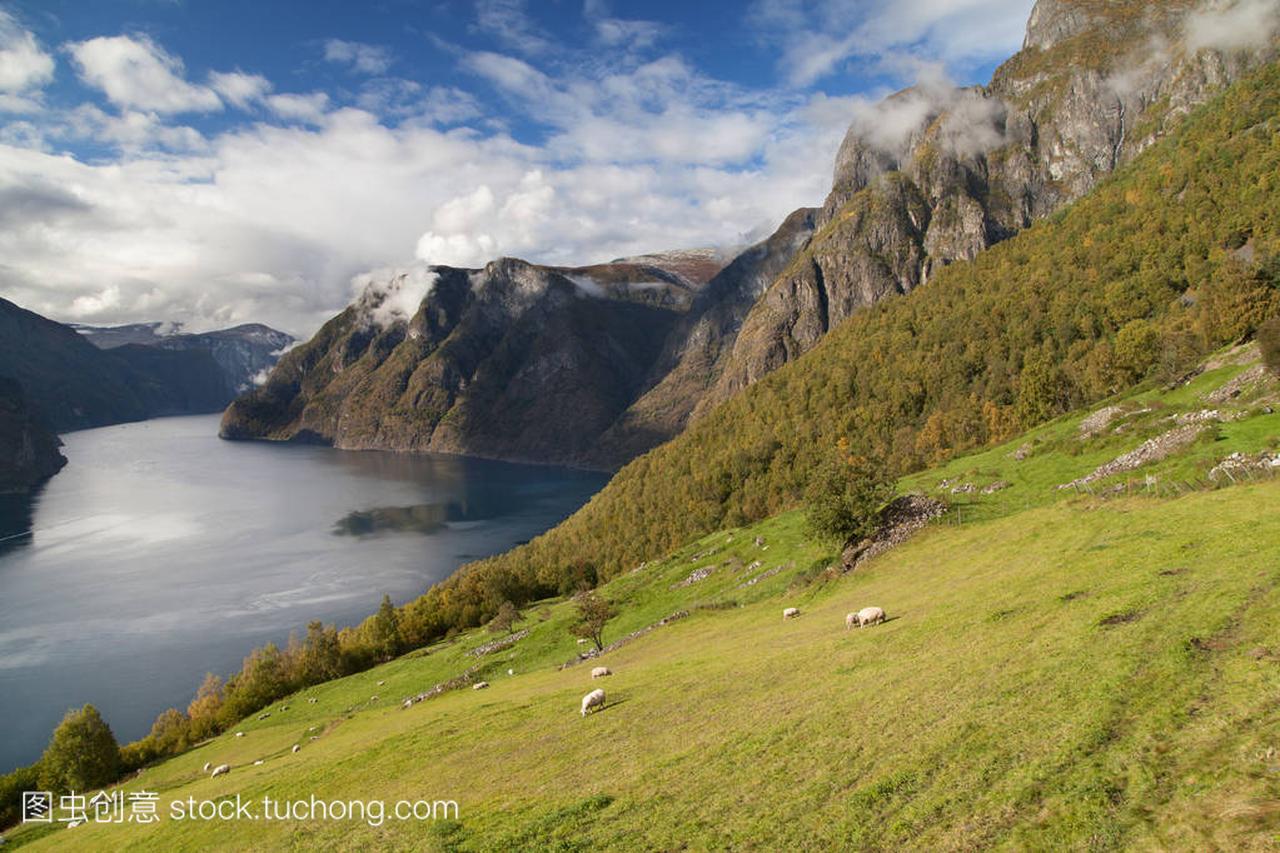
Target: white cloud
(365,58)
(508,22)
(392,294)
(818,39)
(24,65)
(238,88)
(137,73)
(309,108)
(1233,25)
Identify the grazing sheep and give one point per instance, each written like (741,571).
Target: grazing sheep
(239,734)
(296,747)
(480,685)
(380,683)
(206,767)
(791,613)
(219,770)
(511,672)
(594,699)
(311,701)
(284,707)
(869,616)
(850,619)
(601,672)
(263,716)
(259,763)
(373,698)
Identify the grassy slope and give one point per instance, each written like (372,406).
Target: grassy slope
(996,707)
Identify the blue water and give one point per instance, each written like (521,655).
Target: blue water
(161,553)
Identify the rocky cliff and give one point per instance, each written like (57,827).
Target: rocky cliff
(28,450)
(515,360)
(937,173)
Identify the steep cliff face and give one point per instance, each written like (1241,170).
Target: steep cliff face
(28,450)
(937,173)
(515,361)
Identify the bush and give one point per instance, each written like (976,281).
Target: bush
(847,496)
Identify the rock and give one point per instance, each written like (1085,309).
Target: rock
(1099,421)
(903,518)
(1152,450)
(998,486)
(695,576)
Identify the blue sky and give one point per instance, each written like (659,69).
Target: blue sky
(219,162)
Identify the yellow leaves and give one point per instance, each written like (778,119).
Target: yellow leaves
(1133,196)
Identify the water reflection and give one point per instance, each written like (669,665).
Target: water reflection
(16,516)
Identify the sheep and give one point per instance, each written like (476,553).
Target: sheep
(601,672)
(594,699)
(373,698)
(791,613)
(480,685)
(259,763)
(239,734)
(380,683)
(868,616)
(849,620)
(206,767)
(219,770)
(511,672)
(263,716)
(296,747)
(408,703)
(311,701)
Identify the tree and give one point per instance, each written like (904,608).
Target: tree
(593,613)
(384,631)
(505,620)
(203,710)
(171,732)
(846,496)
(320,657)
(1269,343)
(82,754)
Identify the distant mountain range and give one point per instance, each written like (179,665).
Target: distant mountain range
(53,379)
(244,353)
(596,365)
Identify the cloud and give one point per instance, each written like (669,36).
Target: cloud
(1233,25)
(24,65)
(137,73)
(392,295)
(508,22)
(365,58)
(309,109)
(238,88)
(819,39)
(621,32)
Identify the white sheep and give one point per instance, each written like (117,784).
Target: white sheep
(311,701)
(868,616)
(850,619)
(594,699)
(259,763)
(791,613)
(220,769)
(601,672)
(480,685)
(239,734)
(296,747)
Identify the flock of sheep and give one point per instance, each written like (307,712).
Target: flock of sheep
(594,700)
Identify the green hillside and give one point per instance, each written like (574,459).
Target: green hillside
(1063,668)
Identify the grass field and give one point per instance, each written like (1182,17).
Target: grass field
(1061,670)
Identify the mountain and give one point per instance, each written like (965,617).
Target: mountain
(71,384)
(934,175)
(515,360)
(1174,255)
(28,450)
(244,353)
